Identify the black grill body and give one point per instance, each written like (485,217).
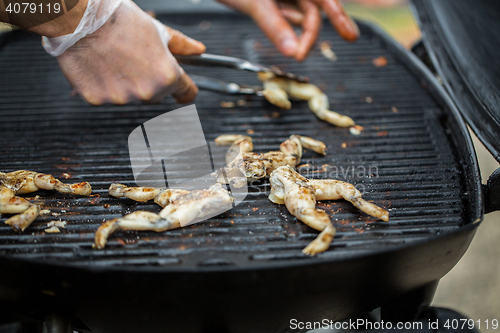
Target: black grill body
(243,270)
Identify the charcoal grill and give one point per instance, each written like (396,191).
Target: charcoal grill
(242,271)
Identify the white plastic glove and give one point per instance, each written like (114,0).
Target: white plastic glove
(118,54)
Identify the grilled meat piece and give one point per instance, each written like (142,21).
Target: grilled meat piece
(299,194)
(21,182)
(277,89)
(247,166)
(276,94)
(180,208)
(141,194)
(239,144)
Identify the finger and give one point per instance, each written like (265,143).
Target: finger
(268,17)
(239,5)
(342,22)
(291,13)
(93,96)
(92,99)
(185,90)
(310,28)
(183,45)
(156,99)
(150,93)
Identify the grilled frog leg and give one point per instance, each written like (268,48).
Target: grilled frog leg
(320,105)
(10,203)
(290,188)
(277,89)
(21,221)
(181,208)
(330,189)
(250,166)
(21,182)
(299,194)
(276,94)
(141,194)
(239,144)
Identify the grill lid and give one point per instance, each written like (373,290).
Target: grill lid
(462,39)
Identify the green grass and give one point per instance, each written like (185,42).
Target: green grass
(398,21)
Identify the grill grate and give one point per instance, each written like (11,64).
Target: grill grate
(416,174)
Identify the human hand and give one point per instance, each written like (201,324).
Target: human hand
(274,18)
(130,58)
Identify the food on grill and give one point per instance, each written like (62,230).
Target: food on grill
(327,51)
(53,226)
(22,221)
(380,61)
(227,105)
(299,194)
(277,89)
(141,194)
(59,224)
(21,182)
(52,230)
(243,165)
(276,94)
(239,144)
(356,130)
(319,104)
(180,207)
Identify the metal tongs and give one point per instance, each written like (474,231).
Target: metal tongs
(213,60)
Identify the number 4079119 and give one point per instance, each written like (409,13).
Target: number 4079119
(33,8)
(470,324)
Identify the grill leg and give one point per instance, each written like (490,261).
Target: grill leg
(407,307)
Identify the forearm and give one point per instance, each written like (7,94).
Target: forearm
(46,18)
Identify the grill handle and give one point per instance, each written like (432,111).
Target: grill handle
(491,192)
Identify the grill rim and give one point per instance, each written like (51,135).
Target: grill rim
(264,266)
(472,199)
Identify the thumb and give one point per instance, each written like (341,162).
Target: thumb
(181,44)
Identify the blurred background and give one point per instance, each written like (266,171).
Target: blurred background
(473,286)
